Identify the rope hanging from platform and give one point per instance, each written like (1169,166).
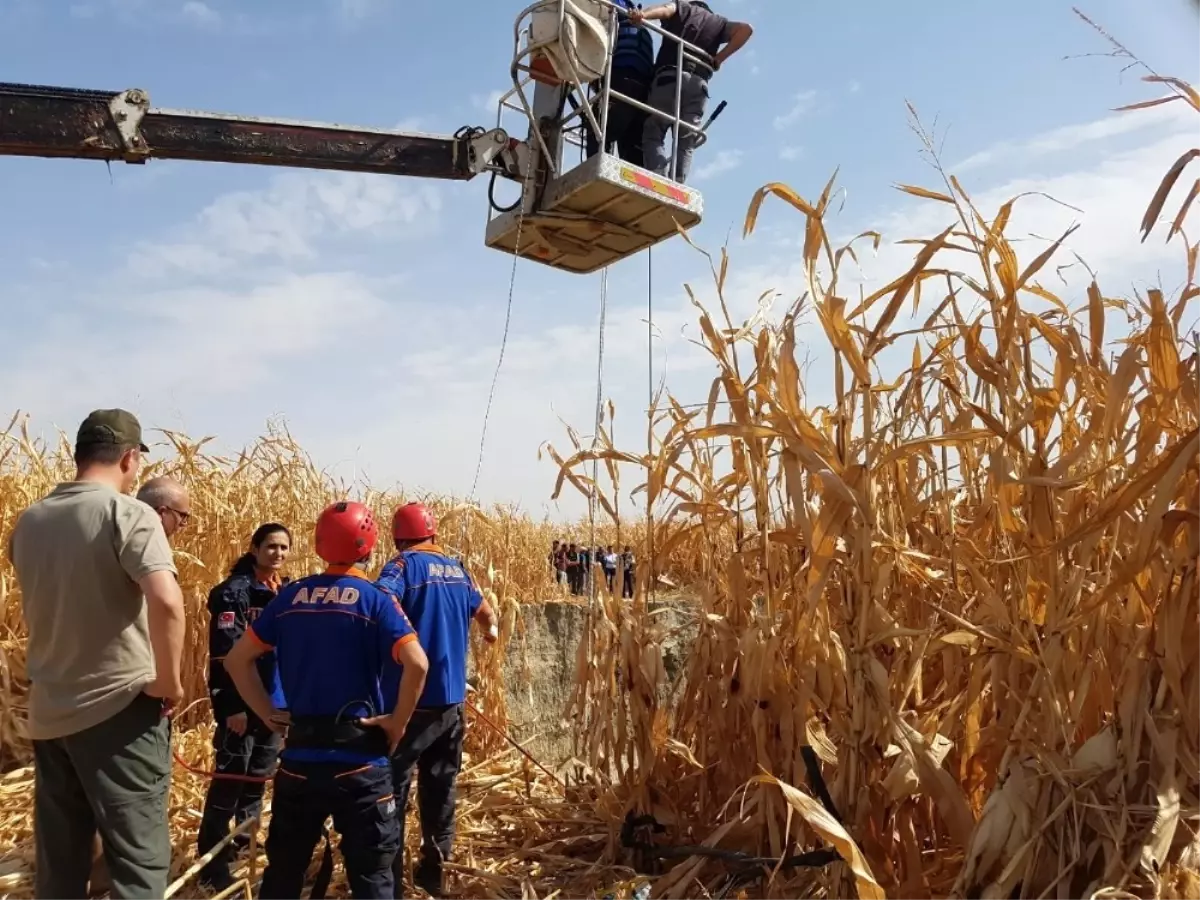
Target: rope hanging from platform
(487,412)
(596,436)
(648,563)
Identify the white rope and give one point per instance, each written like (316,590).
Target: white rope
(596,435)
(487,413)
(648,563)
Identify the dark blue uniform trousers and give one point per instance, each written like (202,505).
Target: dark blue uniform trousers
(432,743)
(253,755)
(364,811)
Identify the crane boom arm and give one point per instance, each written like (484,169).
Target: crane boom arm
(57,122)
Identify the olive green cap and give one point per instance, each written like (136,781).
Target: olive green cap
(111,426)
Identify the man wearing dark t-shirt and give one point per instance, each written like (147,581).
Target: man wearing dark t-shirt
(717,36)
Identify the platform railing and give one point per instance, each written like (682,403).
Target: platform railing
(585,111)
(685,50)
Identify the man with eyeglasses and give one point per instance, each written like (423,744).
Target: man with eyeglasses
(105,619)
(170,500)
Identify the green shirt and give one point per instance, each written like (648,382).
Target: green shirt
(79,554)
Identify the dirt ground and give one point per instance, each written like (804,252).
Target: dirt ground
(539,673)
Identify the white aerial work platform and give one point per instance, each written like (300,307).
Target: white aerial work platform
(601,210)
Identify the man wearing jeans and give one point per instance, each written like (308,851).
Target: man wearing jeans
(105,620)
(720,38)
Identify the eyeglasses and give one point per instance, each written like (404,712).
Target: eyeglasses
(183,516)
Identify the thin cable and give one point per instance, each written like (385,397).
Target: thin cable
(649,417)
(504,734)
(512,281)
(211,774)
(596,436)
(487,413)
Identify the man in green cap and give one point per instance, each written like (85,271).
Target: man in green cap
(105,619)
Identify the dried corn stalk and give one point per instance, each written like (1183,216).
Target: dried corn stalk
(970,584)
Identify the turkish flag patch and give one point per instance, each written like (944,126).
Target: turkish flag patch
(226,620)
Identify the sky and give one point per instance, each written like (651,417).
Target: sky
(366,312)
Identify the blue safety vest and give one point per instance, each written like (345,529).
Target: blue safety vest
(634,51)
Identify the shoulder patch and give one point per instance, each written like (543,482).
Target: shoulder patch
(226,620)
(400,610)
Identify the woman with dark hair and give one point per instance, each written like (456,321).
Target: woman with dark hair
(245,747)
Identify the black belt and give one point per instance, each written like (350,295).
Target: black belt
(330,732)
(695,67)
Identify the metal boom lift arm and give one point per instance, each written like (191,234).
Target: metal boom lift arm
(574,218)
(57,122)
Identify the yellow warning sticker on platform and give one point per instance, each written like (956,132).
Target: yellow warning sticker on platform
(658,185)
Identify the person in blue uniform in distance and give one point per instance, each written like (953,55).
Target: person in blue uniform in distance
(441,600)
(333,635)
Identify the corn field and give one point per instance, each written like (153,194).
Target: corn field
(967,589)
(970,586)
(273,480)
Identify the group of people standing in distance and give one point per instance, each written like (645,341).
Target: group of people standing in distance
(333,685)
(638,73)
(573,564)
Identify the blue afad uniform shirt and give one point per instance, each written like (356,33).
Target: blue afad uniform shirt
(439,598)
(333,634)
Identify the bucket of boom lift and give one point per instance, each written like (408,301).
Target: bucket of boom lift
(597,214)
(603,209)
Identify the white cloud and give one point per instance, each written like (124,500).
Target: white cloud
(854,87)
(1072,137)
(791,153)
(357,10)
(1112,191)
(802,103)
(209,15)
(487,103)
(267,309)
(1111,196)
(285,221)
(724,161)
(199,13)
(412,124)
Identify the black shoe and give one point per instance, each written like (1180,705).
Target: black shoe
(429,879)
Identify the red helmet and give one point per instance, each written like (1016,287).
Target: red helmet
(346,532)
(413,522)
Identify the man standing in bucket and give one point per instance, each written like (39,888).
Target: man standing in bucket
(440,599)
(632,67)
(720,38)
